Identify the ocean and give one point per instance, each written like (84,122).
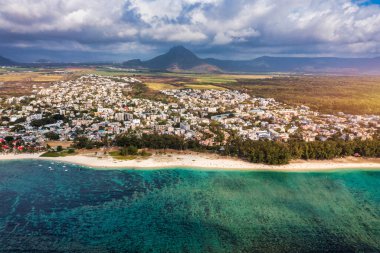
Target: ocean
(58,207)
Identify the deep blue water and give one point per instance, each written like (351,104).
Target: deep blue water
(74,209)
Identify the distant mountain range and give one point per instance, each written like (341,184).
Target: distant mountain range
(5,61)
(180,58)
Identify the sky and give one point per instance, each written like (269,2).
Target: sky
(119,30)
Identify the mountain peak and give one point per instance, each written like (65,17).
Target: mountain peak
(181,51)
(177,57)
(179,48)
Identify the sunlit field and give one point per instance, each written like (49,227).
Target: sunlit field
(33,77)
(22,81)
(160,86)
(204,87)
(329,94)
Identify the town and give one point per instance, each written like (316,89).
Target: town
(101,107)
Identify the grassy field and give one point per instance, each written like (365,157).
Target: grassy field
(329,94)
(227,78)
(32,77)
(57,154)
(116,155)
(160,86)
(161,81)
(21,82)
(64,144)
(204,87)
(164,86)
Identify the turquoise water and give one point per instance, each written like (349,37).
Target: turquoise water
(83,210)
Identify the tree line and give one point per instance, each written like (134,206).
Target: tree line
(271,152)
(267,152)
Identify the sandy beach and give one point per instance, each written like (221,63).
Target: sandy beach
(202,161)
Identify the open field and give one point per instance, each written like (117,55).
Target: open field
(64,144)
(161,81)
(19,82)
(165,86)
(329,94)
(204,87)
(20,88)
(216,78)
(32,77)
(160,86)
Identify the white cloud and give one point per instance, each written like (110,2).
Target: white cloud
(174,33)
(32,17)
(319,25)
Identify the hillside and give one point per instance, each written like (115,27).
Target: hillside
(5,61)
(177,58)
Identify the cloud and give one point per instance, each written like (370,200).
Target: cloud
(316,27)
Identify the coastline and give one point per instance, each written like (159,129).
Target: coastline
(202,161)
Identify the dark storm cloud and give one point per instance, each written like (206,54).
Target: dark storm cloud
(123,29)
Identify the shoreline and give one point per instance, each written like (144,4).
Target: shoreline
(202,161)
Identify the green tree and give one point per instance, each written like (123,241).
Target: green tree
(52,136)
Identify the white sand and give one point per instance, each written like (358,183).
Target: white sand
(203,161)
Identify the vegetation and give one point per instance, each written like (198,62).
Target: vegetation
(51,154)
(21,81)
(170,80)
(59,153)
(116,155)
(129,153)
(203,87)
(52,136)
(156,141)
(327,94)
(160,86)
(268,152)
(82,142)
(30,76)
(131,150)
(141,90)
(46,120)
(18,128)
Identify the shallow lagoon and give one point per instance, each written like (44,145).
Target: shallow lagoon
(74,209)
